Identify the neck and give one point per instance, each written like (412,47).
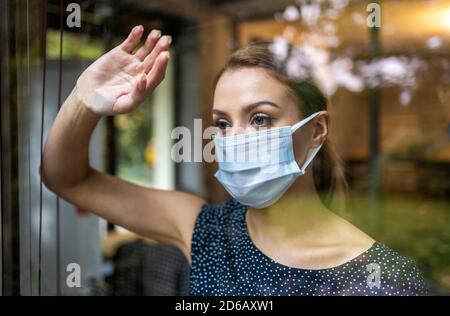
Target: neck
(298,214)
(299,231)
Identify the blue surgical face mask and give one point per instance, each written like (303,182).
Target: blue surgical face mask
(257,168)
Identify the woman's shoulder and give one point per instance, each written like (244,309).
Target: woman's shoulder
(393,273)
(215,215)
(217,229)
(214,220)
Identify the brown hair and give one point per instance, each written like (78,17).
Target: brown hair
(329,178)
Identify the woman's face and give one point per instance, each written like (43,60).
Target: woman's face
(249,99)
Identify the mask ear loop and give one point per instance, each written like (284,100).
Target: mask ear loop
(312,152)
(296,126)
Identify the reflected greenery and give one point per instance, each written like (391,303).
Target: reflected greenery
(78,46)
(135,151)
(417,227)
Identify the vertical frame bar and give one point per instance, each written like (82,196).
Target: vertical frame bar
(9,156)
(374,134)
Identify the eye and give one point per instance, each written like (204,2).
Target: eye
(222,124)
(261,120)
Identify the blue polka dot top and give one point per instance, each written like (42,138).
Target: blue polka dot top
(226,262)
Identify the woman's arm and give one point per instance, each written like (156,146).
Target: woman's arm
(166,216)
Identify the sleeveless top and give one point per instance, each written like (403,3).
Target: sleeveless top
(226,262)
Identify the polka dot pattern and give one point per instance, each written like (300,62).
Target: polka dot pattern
(226,262)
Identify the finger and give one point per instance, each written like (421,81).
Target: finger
(158,72)
(143,83)
(163,45)
(150,43)
(127,102)
(107,94)
(130,44)
(124,104)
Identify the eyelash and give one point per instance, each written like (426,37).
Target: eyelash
(252,121)
(218,122)
(266,117)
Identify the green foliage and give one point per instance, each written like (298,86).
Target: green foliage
(79,46)
(134,136)
(416,227)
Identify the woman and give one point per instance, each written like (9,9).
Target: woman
(241,247)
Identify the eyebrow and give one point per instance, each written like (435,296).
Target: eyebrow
(249,107)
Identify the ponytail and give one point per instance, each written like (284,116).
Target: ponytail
(329,177)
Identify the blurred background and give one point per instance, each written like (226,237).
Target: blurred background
(387,77)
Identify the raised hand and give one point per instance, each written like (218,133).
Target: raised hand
(119,81)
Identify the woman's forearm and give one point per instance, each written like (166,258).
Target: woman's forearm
(66,154)
(125,77)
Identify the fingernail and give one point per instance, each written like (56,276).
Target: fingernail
(169,40)
(138,28)
(155,34)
